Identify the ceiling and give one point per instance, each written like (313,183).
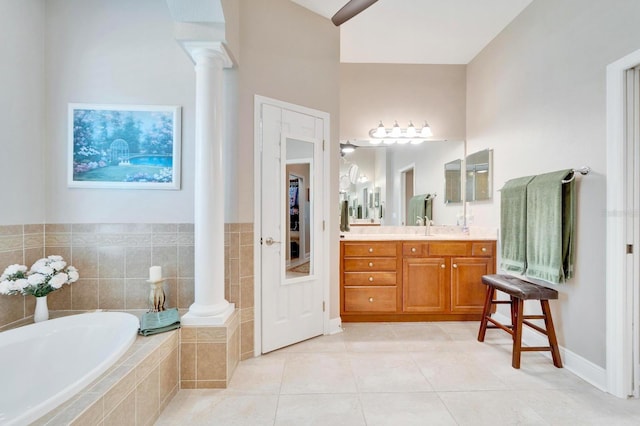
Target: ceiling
(419,31)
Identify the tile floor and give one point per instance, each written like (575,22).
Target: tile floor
(401,374)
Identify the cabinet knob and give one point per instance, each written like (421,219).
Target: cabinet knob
(371,300)
(484,249)
(370,264)
(454,265)
(370,279)
(413,249)
(370,249)
(443,266)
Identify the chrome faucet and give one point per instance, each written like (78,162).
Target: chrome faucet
(419,221)
(427,223)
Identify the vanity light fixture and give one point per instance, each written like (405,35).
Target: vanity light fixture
(398,135)
(347,148)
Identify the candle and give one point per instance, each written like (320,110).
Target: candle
(155,273)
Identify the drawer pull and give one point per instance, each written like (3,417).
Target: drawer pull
(370,279)
(443,266)
(370,249)
(455,265)
(370,264)
(371,300)
(413,249)
(484,249)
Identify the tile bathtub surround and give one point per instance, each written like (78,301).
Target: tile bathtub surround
(209,355)
(134,391)
(239,279)
(22,244)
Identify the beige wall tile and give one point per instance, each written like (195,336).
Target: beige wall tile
(11,257)
(185,261)
(187,361)
(234,245)
(58,239)
(234,227)
(60,300)
(211,361)
(233,294)
(246,238)
(124,386)
(11,309)
(124,414)
(168,374)
(111,293)
(36,228)
(138,228)
(11,242)
(246,337)
(32,255)
(234,271)
(88,239)
(84,294)
(34,240)
(188,384)
(84,228)
(167,257)
(246,292)
(137,262)
(137,292)
(57,227)
(171,293)
(246,227)
(211,384)
(148,398)
(11,230)
(185,292)
(65,252)
(246,261)
(85,259)
(158,228)
(188,334)
(211,334)
(111,262)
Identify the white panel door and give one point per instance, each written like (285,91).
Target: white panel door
(291,255)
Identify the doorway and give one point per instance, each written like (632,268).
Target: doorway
(291,289)
(623,230)
(407,183)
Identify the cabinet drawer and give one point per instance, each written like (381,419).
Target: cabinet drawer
(482,249)
(369,278)
(448,249)
(370,299)
(370,264)
(369,249)
(415,249)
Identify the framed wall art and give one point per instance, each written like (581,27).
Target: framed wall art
(124,146)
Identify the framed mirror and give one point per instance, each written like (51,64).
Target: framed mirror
(478,175)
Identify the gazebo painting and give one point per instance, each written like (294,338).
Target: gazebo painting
(132,147)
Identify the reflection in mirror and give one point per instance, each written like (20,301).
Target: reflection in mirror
(379,170)
(453,181)
(478,175)
(299,207)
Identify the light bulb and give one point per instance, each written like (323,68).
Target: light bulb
(411,131)
(395,131)
(426,131)
(380,132)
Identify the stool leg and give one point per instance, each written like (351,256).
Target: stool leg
(551,333)
(486,312)
(513,315)
(517,333)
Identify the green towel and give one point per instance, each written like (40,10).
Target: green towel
(550,227)
(159,322)
(416,209)
(513,225)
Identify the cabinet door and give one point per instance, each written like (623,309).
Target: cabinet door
(424,285)
(467,290)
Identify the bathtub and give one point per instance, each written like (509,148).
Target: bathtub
(43,365)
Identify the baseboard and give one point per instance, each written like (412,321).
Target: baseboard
(335,326)
(581,367)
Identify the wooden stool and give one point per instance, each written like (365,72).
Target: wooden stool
(519,291)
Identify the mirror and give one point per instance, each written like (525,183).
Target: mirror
(453,181)
(478,175)
(298,234)
(392,174)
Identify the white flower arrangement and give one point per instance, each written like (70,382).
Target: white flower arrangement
(46,275)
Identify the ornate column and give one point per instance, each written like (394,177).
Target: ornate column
(210,306)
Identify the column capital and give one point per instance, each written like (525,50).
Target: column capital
(208,49)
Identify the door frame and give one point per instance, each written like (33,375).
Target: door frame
(402,201)
(257,228)
(620,289)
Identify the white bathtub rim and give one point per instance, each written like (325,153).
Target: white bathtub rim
(60,398)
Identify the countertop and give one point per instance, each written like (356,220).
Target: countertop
(419,233)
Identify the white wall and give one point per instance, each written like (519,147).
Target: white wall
(536,95)
(22,77)
(114,52)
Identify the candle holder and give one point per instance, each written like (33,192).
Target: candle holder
(156,295)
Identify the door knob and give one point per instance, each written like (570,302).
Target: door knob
(270,241)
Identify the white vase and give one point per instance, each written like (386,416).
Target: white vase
(42,310)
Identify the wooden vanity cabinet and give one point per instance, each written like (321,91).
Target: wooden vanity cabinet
(369,277)
(427,280)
